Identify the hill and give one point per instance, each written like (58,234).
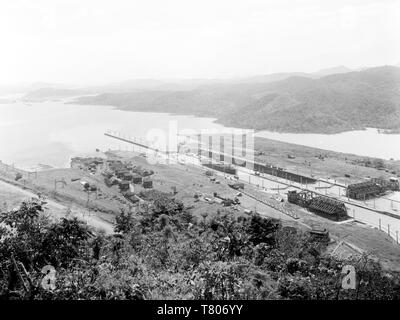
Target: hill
(330,104)
(335,103)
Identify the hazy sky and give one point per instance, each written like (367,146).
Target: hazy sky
(93,41)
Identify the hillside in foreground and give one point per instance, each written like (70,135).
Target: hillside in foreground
(330,104)
(167,253)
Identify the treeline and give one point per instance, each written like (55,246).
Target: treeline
(167,253)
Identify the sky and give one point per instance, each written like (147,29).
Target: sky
(96,41)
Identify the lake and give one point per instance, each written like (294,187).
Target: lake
(50,133)
(369,142)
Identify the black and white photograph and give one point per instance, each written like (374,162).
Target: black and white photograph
(200,155)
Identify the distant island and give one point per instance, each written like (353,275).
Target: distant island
(43,94)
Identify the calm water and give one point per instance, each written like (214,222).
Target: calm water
(49,133)
(367,142)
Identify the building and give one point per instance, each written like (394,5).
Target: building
(329,208)
(282,173)
(236,185)
(136,178)
(131,196)
(366,189)
(127,176)
(302,198)
(111,181)
(209,173)
(124,185)
(323,206)
(394,184)
(226,168)
(122,173)
(147,183)
(320,234)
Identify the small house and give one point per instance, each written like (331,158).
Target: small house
(127,176)
(237,185)
(131,197)
(136,178)
(121,173)
(147,183)
(124,185)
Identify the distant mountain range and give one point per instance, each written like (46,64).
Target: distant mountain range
(328,101)
(44,91)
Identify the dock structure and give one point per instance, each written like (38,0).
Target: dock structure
(118,136)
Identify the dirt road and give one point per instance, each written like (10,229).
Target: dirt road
(11,196)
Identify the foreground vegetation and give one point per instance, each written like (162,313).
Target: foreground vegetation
(167,253)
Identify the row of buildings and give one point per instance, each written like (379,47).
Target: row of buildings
(124,174)
(335,209)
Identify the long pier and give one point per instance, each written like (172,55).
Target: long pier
(109,134)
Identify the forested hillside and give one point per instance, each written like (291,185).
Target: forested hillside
(167,253)
(334,103)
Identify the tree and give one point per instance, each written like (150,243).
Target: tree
(262,229)
(124,222)
(65,241)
